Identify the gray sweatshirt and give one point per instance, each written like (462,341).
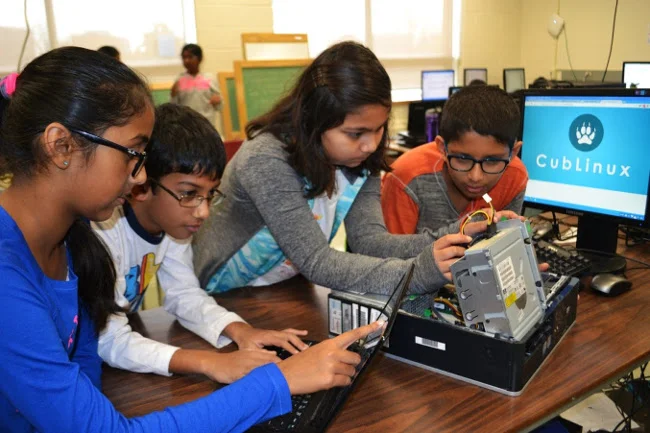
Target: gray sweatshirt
(262,189)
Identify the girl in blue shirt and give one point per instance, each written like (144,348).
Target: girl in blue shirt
(74,135)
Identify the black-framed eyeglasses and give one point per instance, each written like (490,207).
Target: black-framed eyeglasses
(214,196)
(141,156)
(489,165)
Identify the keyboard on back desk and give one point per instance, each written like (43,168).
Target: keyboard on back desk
(562,261)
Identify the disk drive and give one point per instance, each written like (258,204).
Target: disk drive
(498,283)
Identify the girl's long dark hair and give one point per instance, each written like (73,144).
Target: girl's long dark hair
(81,89)
(342,79)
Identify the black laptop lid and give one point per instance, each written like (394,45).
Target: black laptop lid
(389,311)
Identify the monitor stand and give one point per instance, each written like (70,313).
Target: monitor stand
(596,236)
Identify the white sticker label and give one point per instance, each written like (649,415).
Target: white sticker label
(430,343)
(335,316)
(512,286)
(520,288)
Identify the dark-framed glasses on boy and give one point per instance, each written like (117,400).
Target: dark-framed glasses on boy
(489,165)
(192,200)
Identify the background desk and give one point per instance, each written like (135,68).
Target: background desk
(610,337)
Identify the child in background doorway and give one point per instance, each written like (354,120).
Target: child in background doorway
(193,89)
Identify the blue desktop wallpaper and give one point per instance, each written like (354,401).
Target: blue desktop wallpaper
(565,144)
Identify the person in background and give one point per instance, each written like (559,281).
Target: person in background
(110,51)
(434,187)
(477,82)
(74,135)
(193,89)
(149,240)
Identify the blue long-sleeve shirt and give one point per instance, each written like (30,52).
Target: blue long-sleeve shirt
(50,370)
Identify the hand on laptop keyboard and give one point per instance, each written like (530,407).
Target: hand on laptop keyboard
(327,364)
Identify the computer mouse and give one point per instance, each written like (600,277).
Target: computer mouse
(610,284)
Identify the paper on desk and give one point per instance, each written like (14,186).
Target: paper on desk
(596,412)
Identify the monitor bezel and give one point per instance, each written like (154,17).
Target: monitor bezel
(630,62)
(438,71)
(505,72)
(574,91)
(466,70)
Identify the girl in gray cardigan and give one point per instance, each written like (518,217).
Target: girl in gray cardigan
(310,164)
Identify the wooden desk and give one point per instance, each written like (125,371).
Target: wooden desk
(610,337)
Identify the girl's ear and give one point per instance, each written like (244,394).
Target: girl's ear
(57,143)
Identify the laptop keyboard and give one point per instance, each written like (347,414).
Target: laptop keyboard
(299,403)
(291,420)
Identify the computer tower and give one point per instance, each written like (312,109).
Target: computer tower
(491,361)
(416,123)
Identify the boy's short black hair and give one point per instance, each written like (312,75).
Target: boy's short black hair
(110,51)
(184,141)
(194,49)
(486,110)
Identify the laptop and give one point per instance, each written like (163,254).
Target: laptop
(312,413)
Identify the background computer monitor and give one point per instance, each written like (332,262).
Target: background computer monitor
(586,155)
(436,84)
(454,89)
(470,74)
(514,79)
(637,73)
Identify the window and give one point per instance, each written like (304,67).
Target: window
(150,34)
(408,36)
(13,31)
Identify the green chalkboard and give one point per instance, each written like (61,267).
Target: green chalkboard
(232,103)
(161,96)
(260,84)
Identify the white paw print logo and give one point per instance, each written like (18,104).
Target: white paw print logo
(585,134)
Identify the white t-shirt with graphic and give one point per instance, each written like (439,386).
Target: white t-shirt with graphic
(145,262)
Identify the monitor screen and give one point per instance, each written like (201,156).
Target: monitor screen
(471,74)
(436,84)
(636,74)
(586,155)
(454,89)
(514,79)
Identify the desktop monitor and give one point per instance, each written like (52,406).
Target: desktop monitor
(436,84)
(586,154)
(636,74)
(454,89)
(514,79)
(471,74)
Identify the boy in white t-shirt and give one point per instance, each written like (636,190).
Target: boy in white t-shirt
(149,238)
